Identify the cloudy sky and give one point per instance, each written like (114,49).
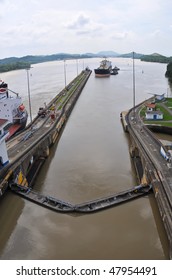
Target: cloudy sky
(78,26)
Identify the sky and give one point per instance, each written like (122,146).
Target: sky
(42,27)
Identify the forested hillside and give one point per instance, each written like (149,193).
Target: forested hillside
(14,66)
(156,58)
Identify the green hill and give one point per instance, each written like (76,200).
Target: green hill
(155,57)
(130,55)
(13,65)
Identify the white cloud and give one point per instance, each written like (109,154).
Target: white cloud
(155,33)
(78,23)
(119,35)
(31,27)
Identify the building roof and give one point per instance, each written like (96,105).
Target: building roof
(151,105)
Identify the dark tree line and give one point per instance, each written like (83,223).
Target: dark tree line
(14,63)
(156,58)
(168,73)
(14,66)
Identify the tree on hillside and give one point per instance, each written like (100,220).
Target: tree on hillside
(168,73)
(14,66)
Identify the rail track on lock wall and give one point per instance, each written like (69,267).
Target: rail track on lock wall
(43,131)
(158,169)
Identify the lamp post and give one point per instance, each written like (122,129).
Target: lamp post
(28,87)
(65,72)
(134,92)
(77,67)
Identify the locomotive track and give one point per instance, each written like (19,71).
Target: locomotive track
(158,169)
(34,142)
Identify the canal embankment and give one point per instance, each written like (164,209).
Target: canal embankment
(32,146)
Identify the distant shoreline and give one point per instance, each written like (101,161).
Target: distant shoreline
(15,63)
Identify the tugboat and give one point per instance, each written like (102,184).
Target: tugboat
(104,70)
(115,70)
(12,109)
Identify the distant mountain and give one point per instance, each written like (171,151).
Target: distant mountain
(107,53)
(12,63)
(32,59)
(130,55)
(156,57)
(156,54)
(90,54)
(9,60)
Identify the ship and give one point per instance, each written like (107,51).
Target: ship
(104,70)
(115,70)
(12,110)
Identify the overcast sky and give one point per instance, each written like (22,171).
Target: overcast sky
(79,26)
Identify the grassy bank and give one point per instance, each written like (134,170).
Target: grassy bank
(167,117)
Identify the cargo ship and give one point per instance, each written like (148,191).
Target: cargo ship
(12,110)
(104,70)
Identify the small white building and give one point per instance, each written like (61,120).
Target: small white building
(150,106)
(154,115)
(3,149)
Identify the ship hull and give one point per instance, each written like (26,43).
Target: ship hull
(16,126)
(102,72)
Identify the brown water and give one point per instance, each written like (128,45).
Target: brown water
(90,161)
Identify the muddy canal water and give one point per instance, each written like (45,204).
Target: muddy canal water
(90,161)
